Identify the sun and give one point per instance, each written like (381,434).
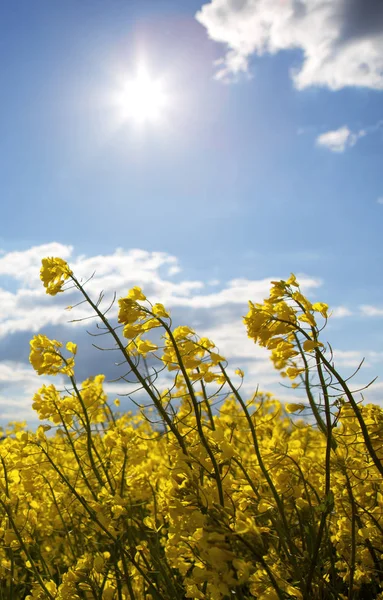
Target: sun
(143,99)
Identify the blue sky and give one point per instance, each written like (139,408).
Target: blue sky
(267,160)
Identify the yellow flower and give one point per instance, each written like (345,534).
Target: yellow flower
(136,293)
(51,587)
(160,311)
(291,408)
(44,356)
(54,272)
(145,346)
(46,359)
(129,311)
(182,332)
(71,347)
(322,308)
(98,563)
(131,331)
(293,372)
(310,345)
(149,522)
(292,280)
(308,318)
(216,358)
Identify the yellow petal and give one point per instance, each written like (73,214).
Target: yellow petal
(291,408)
(71,347)
(136,293)
(309,345)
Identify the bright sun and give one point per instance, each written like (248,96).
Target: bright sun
(143,99)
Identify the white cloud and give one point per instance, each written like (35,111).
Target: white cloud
(380,200)
(174,270)
(353,358)
(19,383)
(341,41)
(348,358)
(339,139)
(237,291)
(339,312)
(371,311)
(373,394)
(24,265)
(232,340)
(11,371)
(30,309)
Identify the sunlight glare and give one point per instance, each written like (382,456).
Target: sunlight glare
(143,99)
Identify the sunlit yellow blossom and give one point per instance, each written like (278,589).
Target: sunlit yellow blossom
(307,318)
(54,272)
(150,324)
(292,407)
(292,280)
(216,358)
(298,297)
(145,346)
(131,331)
(322,308)
(160,311)
(71,347)
(293,372)
(136,294)
(202,491)
(181,332)
(310,345)
(129,311)
(46,358)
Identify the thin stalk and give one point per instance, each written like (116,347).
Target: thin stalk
(133,367)
(201,433)
(292,548)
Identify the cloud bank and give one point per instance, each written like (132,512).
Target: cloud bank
(340,41)
(28,308)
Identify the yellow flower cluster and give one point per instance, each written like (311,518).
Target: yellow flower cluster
(53,274)
(276,323)
(138,320)
(46,357)
(205,494)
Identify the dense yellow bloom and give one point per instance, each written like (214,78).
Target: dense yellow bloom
(129,311)
(204,493)
(54,272)
(46,358)
(280,325)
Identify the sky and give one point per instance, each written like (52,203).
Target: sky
(263,156)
